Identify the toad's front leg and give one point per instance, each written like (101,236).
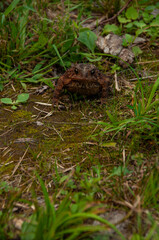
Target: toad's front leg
(62,81)
(57,92)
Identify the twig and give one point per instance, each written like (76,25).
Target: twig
(58,133)
(6,152)
(147,62)
(124,157)
(68,169)
(44,104)
(47,115)
(1,135)
(41,111)
(116,83)
(121,10)
(134,79)
(20,160)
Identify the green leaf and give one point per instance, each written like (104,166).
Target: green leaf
(147,17)
(91,58)
(136,50)
(14,107)
(42,41)
(63,179)
(6,101)
(49,83)
(119,171)
(131,13)
(139,31)
(24,86)
(112,119)
(1,86)
(150,8)
(111,28)
(88,38)
(155,23)
(38,66)
(11,7)
(59,56)
(94,59)
(128,39)
(38,76)
(115,68)
(154,89)
(22,98)
(67,44)
(123,20)
(129,25)
(140,24)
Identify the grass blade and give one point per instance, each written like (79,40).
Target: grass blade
(11,7)
(58,54)
(155,86)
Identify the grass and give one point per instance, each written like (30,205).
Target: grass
(97,165)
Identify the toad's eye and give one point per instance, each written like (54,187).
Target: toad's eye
(92,71)
(76,70)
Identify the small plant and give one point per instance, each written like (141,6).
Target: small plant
(22,98)
(137,22)
(4,187)
(145,115)
(115,68)
(150,190)
(67,222)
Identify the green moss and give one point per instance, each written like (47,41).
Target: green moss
(21,114)
(32,131)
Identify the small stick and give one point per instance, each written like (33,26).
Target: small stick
(116,15)
(58,133)
(44,104)
(134,79)
(147,62)
(20,160)
(116,83)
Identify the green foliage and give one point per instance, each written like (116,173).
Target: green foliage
(150,192)
(65,222)
(111,28)
(4,187)
(88,38)
(10,9)
(119,171)
(140,21)
(131,13)
(115,68)
(31,44)
(136,50)
(136,22)
(127,40)
(145,118)
(22,98)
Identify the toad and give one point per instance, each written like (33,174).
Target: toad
(83,79)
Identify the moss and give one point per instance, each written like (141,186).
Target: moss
(21,114)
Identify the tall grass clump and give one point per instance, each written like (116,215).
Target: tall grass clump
(68,221)
(145,115)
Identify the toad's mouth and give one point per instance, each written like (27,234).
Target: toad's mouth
(84,87)
(83,79)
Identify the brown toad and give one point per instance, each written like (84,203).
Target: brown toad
(83,79)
